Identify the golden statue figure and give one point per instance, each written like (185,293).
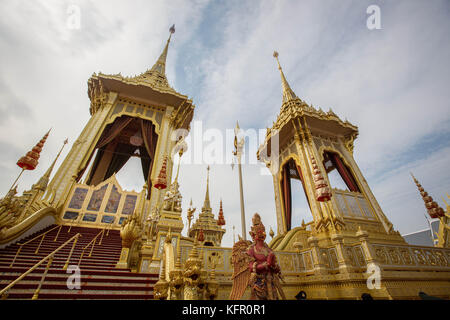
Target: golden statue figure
(255,266)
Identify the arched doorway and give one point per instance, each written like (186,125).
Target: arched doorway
(339,174)
(295,202)
(126,137)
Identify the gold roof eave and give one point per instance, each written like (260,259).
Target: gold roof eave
(140,89)
(317,120)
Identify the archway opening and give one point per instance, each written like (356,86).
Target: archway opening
(339,174)
(125,138)
(295,202)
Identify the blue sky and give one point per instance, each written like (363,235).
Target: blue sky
(392,83)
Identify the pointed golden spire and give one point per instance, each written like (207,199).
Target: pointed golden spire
(206,204)
(160,65)
(288,94)
(43,181)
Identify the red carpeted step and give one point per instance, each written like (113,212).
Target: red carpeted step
(90,279)
(98,275)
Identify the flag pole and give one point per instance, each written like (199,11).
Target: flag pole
(17,179)
(238,153)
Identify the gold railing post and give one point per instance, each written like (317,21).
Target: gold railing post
(70,254)
(15,257)
(92,247)
(93,241)
(71,224)
(81,257)
(5,291)
(101,238)
(36,293)
(59,230)
(39,246)
(22,244)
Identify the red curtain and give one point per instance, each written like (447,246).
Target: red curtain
(123,151)
(150,138)
(287,198)
(108,135)
(113,131)
(344,172)
(145,161)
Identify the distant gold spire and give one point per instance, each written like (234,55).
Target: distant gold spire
(288,94)
(206,204)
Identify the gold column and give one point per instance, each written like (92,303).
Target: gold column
(319,267)
(344,264)
(363,237)
(308,176)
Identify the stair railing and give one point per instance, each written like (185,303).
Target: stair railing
(42,236)
(49,258)
(92,245)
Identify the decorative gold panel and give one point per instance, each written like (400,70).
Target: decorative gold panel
(105,204)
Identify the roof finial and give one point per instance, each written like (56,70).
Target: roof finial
(206,204)
(43,181)
(288,94)
(160,65)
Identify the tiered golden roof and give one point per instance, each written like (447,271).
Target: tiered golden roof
(212,231)
(150,87)
(293,107)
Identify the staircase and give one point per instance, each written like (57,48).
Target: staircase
(99,277)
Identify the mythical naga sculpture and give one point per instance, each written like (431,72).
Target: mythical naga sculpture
(255,266)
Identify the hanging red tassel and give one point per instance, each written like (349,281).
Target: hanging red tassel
(221,219)
(161,180)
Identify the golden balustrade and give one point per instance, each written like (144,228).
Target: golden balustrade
(49,258)
(92,244)
(40,243)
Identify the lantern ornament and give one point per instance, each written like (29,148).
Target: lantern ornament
(136,139)
(433,209)
(161,180)
(221,219)
(30,160)
(322,190)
